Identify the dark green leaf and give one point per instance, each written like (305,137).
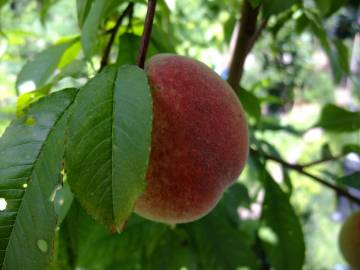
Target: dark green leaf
(285,247)
(43,66)
(351,148)
(352,180)
(250,103)
(255,3)
(108,143)
(327,7)
(221,246)
(30,164)
(274,7)
(336,119)
(326,151)
(343,56)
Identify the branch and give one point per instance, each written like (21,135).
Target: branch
(317,162)
(145,39)
(245,40)
(300,169)
(113,31)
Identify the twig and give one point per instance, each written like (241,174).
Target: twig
(300,169)
(247,35)
(113,31)
(145,39)
(317,162)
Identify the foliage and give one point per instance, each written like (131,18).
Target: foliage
(74,159)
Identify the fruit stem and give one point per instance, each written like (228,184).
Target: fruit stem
(145,39)
(113,31)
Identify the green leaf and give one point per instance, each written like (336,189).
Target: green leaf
(221,246)
(255,3)
(45,6)
(285,247)
(274,7)
(343,56)
(336,119)
(352,180)
(43,66)
(351,148)
(338,58)
(82,7)
(128,48)
(30,164)
(91,25)
(250,103)
(109,136)
(327,8)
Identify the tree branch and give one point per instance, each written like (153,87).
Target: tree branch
(145,39)
(300,169)
(317,162)
(113,31)
(245,40)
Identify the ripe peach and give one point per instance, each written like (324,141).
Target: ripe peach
(199,140)
(349,240)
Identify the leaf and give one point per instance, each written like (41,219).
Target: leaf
(30,164)
(28,98)
(91,26)
(83,7)
(220,246)
(326,151)
(337,57)
(128,48)
(43,66)
(352,180)
(327,8)
(336,119)
(250,103)
(108,143)
(274,7)
(255,3)
(343,56)
(351,148)
(287,248)
(129,249)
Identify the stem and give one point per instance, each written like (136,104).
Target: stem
(113,31)
(300,169)
(145,39)
(246,37)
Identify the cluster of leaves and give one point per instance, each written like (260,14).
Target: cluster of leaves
(100,134)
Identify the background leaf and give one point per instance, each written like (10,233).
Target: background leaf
(337,119)
(43,66)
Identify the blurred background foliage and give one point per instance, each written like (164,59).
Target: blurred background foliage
(307,57)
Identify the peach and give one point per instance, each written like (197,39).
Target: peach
(349,240)
(199,140)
